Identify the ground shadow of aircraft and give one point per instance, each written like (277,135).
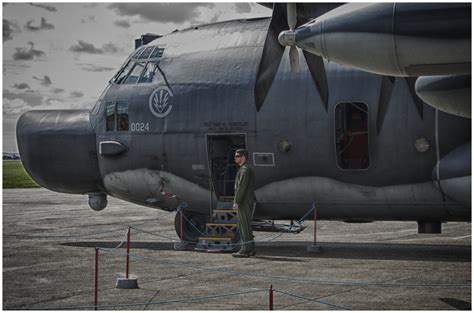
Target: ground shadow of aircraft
(296,251)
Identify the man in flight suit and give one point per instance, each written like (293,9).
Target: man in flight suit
(244,202)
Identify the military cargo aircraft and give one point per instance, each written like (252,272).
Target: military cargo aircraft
(165,129)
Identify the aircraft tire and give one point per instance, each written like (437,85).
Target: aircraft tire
(194,225)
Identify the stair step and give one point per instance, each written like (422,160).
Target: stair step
(225,211)
(225,205)
(225,217)
(215,238)
(230,198)
(221,224)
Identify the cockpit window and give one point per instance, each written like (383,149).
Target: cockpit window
(148,74)
(157,53)
(138,52)
(152,74)
(123,73)
(146,53)
(135,73)
(142,67)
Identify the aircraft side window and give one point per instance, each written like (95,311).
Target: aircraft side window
(116,116)
(122,116)
(123,73)
(135,73)
(110,116)
(352,135)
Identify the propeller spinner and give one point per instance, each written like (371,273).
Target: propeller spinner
(287,38)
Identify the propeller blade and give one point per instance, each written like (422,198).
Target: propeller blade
(318,72)
(418,102)
(271,56)
(294,59)
(292,17)
(386,88)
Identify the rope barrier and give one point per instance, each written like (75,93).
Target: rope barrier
(123,240)
(312,299)
(271,238)
(287,278)
(123,305)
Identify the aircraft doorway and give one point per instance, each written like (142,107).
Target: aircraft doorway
(220,152)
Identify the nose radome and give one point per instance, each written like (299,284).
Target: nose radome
(58,150)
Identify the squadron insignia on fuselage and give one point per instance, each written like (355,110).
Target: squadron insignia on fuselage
(161,101)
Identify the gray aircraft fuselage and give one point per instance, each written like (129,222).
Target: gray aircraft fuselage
(163,159)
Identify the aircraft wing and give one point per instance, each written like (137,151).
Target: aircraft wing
(431,41)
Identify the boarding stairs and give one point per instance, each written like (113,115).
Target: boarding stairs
(222,232)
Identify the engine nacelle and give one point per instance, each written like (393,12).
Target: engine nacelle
(450,94)
(452,175)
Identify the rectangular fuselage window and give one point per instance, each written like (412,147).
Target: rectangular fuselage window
(352,135)
(117,116)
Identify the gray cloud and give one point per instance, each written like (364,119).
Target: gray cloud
(44,6)
(27,53)
(30,97)
(85,47)
(90,5)
(43,26)
(57,90)
(178,13)
(77,94)
(45,81)
(242,7)
(95,68)
(122,23)
(21,86)
(214,19)
(110,47)
(9,28)
(88,19)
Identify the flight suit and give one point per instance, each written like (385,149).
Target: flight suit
(245,198)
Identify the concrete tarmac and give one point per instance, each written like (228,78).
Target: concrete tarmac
(49,242)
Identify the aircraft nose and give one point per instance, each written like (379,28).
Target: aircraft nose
(58,150)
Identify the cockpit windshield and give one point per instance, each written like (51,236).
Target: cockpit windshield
(143,67)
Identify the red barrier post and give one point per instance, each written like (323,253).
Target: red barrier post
(181,223)
(270,298)
(314,228)
(128,253)
(96,277)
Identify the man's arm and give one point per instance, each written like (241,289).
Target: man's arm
(243,184)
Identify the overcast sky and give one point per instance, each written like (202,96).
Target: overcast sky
(61,55)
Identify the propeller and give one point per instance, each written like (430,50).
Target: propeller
(386,87)
(271,56)
(285,20)
(416,100)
